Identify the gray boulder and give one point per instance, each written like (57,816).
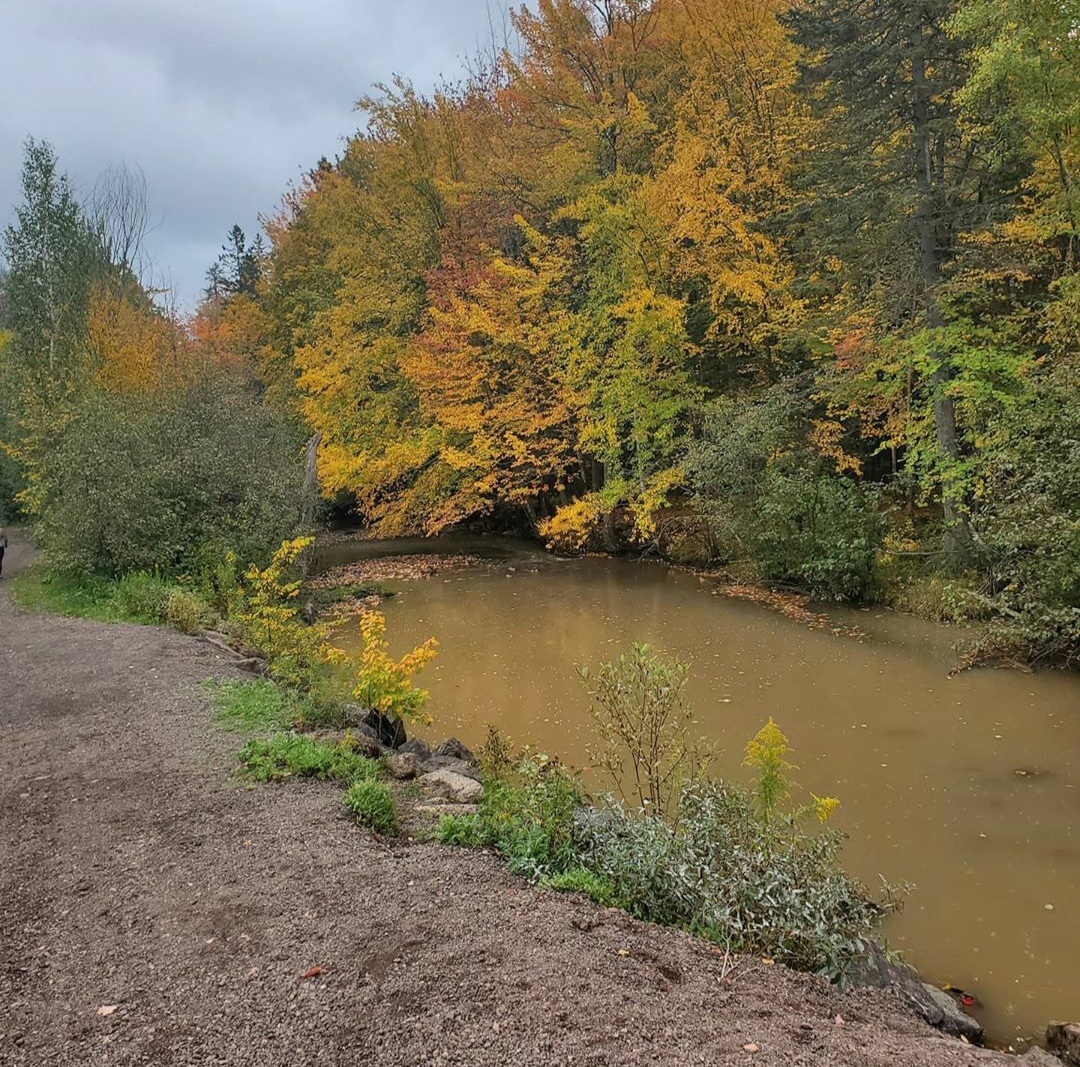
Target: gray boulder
(1038,1057)
(455,749)
(873,969)
(451,763)
(366,745)
(452,786)
(1064,1041)
(420,749)
(402,765)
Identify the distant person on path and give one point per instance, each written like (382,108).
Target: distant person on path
(3,548)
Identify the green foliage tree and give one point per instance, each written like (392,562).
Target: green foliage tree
(51,258)
(771,498)
(169,482)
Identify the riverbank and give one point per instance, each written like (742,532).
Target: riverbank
(156,913)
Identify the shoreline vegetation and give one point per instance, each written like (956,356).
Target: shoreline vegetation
(710,848)
(347,589)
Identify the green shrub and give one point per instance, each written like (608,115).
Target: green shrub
(464,831)
(527,817)
(373,805)
(138,598)
(941,599)
(819,530)
(770,888)
(745,869)
(186,611)
(772,499)
(168,482)
(288,755)
(642,722)
(141,597)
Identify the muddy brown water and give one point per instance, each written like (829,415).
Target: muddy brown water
(966,786)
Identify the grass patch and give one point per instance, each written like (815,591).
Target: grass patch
(258,706)
(582,880)
(142,598)
(373,805)
(528,817)
(288,755)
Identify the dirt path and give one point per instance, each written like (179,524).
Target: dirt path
(135,874)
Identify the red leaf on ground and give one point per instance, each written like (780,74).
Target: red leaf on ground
(311,972)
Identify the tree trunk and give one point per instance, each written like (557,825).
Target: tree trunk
(310,497)
(311,481)
(933,240)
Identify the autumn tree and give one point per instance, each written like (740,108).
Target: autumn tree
(904,180)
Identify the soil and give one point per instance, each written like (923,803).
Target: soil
(155,911)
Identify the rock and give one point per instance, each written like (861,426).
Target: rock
(386,729)
(1039,1057)
(1064,1041)
(420,749)
(366,745)
(873,969)
(451,763)
(953,1020)
(402,765)
(354,716)
(455,749)
(452,786)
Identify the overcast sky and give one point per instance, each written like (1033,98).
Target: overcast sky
(222,103)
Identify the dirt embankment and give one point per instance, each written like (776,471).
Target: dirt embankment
(153,912)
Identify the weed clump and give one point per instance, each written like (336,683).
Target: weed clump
(373,805)
(527,816)
(287,755)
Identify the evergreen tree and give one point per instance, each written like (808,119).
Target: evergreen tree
(238,268)
(896,190)
(51,260)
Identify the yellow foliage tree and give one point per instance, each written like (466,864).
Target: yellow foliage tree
(384,683)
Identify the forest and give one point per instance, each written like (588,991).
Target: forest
(790,287)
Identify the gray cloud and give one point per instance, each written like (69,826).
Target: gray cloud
(222,103)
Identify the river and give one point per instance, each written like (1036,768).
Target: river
(966,786)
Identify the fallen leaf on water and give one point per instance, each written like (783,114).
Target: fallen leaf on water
(751,1047)
(107,1009)
(312,972)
